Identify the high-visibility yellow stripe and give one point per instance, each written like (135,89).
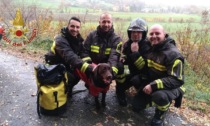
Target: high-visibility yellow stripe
(150,105)
(53,47)
(115,69)
(156,65)
(163,108)
(183,88)
(174,65)
(84,67)
(66,76)
(107,51)
(159,84)
(139,63)
(126,70)
(118,49)
(95,49)
(86,59)
(121,76)
(120,81)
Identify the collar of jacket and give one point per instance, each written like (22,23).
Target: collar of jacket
(165,44)
(103,34)
(69,37)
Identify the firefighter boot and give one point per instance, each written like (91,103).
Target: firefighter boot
(121,99)
(121,96)
(158,118)
(70,88)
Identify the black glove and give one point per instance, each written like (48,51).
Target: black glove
(89,71)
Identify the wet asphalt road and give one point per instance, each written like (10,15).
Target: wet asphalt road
(18,103)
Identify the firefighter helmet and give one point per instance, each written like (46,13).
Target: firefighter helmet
(138,25)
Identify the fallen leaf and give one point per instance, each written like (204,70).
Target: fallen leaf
(99,124)
(94,112)
(33,94)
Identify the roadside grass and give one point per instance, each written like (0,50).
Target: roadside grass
(197,94)
(40,45)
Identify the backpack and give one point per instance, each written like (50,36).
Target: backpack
(51,58)
(51,89)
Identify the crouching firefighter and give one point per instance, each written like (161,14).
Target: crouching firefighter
(67,49)
(137,32)
(165,66)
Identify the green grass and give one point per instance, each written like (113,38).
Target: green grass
(41,44)
(195,91)
(170,27)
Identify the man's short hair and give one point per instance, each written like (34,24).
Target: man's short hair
(74,18)
(105,13)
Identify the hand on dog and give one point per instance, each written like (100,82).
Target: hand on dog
(90,70)
(122,59)
(147,89)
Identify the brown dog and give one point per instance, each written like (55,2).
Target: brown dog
(99,82)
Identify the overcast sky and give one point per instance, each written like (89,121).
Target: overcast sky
(180,2)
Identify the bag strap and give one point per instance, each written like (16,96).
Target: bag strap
(38,106)
(65,83)
(55,93)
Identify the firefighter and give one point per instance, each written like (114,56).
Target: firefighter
(137,32)
(166,75)
(104,46)
(67,49)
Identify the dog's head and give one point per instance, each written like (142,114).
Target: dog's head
(103,75)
